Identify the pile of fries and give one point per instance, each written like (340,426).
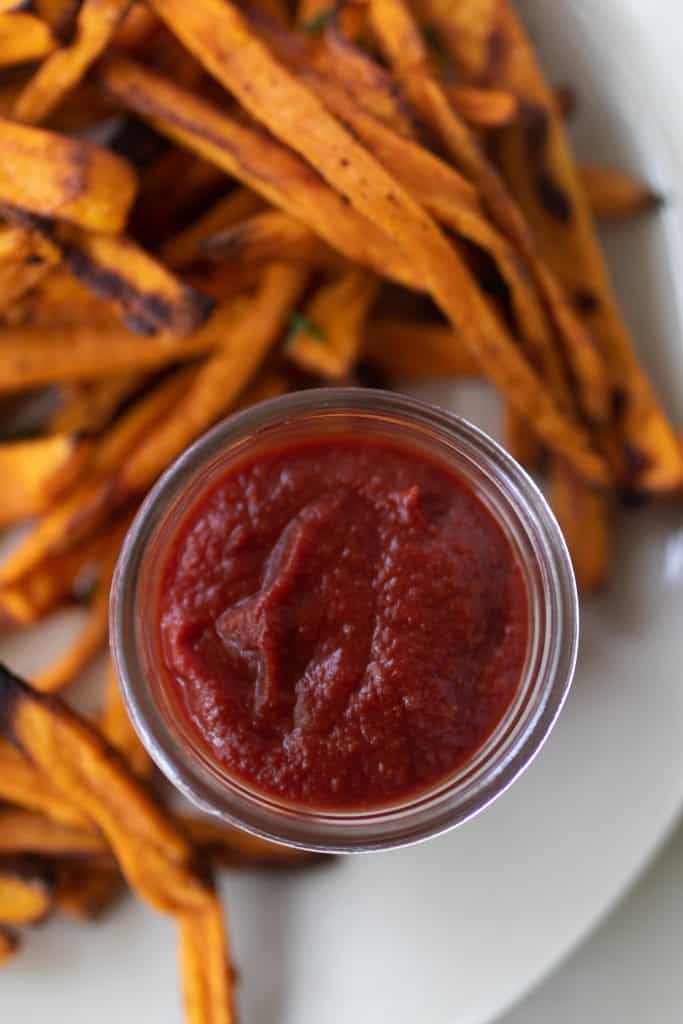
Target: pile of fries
(203,206)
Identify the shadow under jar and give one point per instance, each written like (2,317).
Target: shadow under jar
(344,620)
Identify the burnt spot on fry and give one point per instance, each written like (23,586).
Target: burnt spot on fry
(496,54)
(12,690)
(586,302)
(536,129)
(554,199)
(619,400)
(144,312)
(636,462)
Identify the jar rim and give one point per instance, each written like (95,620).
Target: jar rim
(519,507)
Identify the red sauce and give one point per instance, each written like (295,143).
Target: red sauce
(344,622)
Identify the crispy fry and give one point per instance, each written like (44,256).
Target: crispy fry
(24,831)
(96,23)
(94,352)
(16,245)
(117,727)
(332,57)
(402,348)
(26,890)
(205,969)
(24,784)
(330,338)
(154,856)
(614,195)
(402,43)
(182,248)
(585,518)
(232,847)
(76,517)
(259,161)
(87,887)
(23,38)
(539,165)
(220,380)
(9,944)
(485,108)
(70,179)
(83,110)
(519,438)
(150,297)
(266,237)
(453,202)
(211,29)
(93,634)
(35,471)
(87,408)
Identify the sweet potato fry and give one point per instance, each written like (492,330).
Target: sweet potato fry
(117,728)
(24,831)
(70,179)
(26,889)
(329,337)
(211,30)
(266,237)
(538,163)
(24,38)
(484,108)
(93,352)
(150,297)
(205,969)
(614,195)
(585,518)
(35,471)
(96,23)
(331,56)
(52,581)
(92,504)
(401,348)
(87,887)
(153,854)
(87,408)
(219,382)
(453,202)
(89,641)
(402,43)
(182,248)
(9,944)
(519,438)
(25,784)
(259,161)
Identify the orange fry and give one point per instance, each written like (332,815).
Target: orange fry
(23,38)
(211,29)
(536,156)
(97,21)
(614,195)
(70,179)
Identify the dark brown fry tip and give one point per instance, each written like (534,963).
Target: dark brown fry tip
(12,691)
(555,200)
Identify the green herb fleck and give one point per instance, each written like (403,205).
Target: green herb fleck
(299,323)
(314,26)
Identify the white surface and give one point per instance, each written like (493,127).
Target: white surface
(454,930)
(630,969)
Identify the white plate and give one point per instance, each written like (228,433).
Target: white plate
(456,929)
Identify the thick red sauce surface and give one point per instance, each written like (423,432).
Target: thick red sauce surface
(344,621)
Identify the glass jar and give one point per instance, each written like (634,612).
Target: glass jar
(522,513)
